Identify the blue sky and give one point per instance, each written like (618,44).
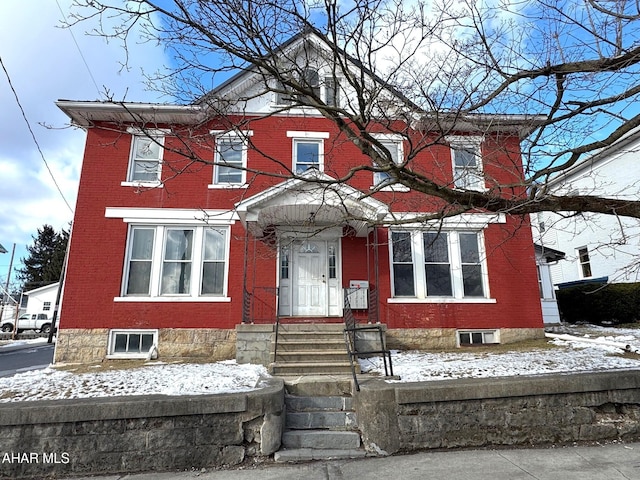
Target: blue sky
(44,64)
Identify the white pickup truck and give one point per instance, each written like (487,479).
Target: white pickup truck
(39,322)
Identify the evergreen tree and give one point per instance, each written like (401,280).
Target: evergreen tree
(43,265)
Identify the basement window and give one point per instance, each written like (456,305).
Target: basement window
(477,337)
(131,343)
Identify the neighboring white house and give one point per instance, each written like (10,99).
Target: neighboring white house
(42,300)
(596,245)
(545,259)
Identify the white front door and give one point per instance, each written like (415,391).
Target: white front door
(309,280)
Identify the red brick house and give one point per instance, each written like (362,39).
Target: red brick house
(171,253)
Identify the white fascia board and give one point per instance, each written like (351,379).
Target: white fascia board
(462,221)
(171,215)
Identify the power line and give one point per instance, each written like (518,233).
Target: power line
(33,136)
(79,50)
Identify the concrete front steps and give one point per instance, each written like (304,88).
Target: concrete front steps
(319,428)
(311,349)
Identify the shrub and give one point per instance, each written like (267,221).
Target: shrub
(608,304)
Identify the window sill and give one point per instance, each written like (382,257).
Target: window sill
(127,356)
(391,188)
(227,185)
(172,299)
(472,189)
(142,184)
(397,300)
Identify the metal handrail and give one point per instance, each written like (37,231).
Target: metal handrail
(350,329)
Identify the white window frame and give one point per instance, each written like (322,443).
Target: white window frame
(324,80)
(225,136)
(455,262)
(157,264)
(46,306)
(461,175)
(111,344)
(582,264)
(137,135)
(307,137)
(397,141)
(336,81)
(483,333)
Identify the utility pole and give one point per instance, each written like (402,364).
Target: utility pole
(6,287)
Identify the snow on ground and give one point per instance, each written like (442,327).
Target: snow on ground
(151,379)
(30,341)
(569,356)
(157,378)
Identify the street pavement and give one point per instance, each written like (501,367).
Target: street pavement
(616,461)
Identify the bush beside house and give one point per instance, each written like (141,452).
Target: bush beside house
(600,303)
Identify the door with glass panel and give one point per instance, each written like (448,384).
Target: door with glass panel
(309,284)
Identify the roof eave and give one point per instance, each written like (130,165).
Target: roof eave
(86,113)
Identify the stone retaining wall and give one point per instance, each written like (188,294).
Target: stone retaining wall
(538,410)
(134,434)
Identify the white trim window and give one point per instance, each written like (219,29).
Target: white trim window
(332,91)
(308,151)
(584,262)
(230,159)
(179,262)
(467,162)
(145,159)
(478,337)
(438,265)
(131,343)
(393,143)
(326,87)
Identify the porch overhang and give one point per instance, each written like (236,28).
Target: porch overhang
(313,201)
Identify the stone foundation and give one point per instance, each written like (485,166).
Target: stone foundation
(77,345)
(445,338)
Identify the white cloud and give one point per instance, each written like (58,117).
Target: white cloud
(44,65)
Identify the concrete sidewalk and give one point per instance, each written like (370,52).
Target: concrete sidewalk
(607,462)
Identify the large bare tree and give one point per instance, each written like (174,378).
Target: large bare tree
(567,71)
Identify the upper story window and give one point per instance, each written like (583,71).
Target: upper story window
(308,151)
(438,264)
(467,162)
(172,261)
(145,161)
(230,159)
(393,143)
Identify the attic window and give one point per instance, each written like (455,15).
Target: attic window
(283,94)
(312,81)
